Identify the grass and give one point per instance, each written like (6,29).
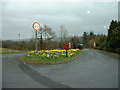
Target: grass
(9,51)
(116,54)
(45,60)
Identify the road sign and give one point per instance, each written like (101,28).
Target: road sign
(94,45)
(69,45)
(36,26)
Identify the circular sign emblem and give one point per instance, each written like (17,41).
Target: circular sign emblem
(36,26)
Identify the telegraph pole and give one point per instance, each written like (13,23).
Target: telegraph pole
(19,36)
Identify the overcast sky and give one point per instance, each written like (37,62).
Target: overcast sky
(76,17)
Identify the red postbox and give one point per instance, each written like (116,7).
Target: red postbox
(66,46)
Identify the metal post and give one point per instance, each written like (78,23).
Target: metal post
(41,41)
(66,53)
(36,42)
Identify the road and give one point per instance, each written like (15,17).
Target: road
(92,69)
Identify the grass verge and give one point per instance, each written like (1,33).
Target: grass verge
(40,60)
(109,52)
(11,52)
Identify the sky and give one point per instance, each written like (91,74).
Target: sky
(75,17)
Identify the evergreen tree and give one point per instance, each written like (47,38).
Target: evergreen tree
(85,39)
(114,36)
(112,26)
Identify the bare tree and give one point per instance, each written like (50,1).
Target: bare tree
(46,33)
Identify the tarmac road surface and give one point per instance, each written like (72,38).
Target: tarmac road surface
(92,69)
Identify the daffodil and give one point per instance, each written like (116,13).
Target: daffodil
(53,53)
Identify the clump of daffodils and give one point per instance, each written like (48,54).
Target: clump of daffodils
(56,53)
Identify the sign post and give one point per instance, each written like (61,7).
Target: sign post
(36,26)
(36,41)
(66,47)
(94,45)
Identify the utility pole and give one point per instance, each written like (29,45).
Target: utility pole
(61,33)
(45,40)
(19,36)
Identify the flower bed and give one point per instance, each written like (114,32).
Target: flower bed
(50,56)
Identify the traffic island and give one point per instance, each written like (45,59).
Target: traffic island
(48,57)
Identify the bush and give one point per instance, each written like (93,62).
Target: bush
(117,50)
